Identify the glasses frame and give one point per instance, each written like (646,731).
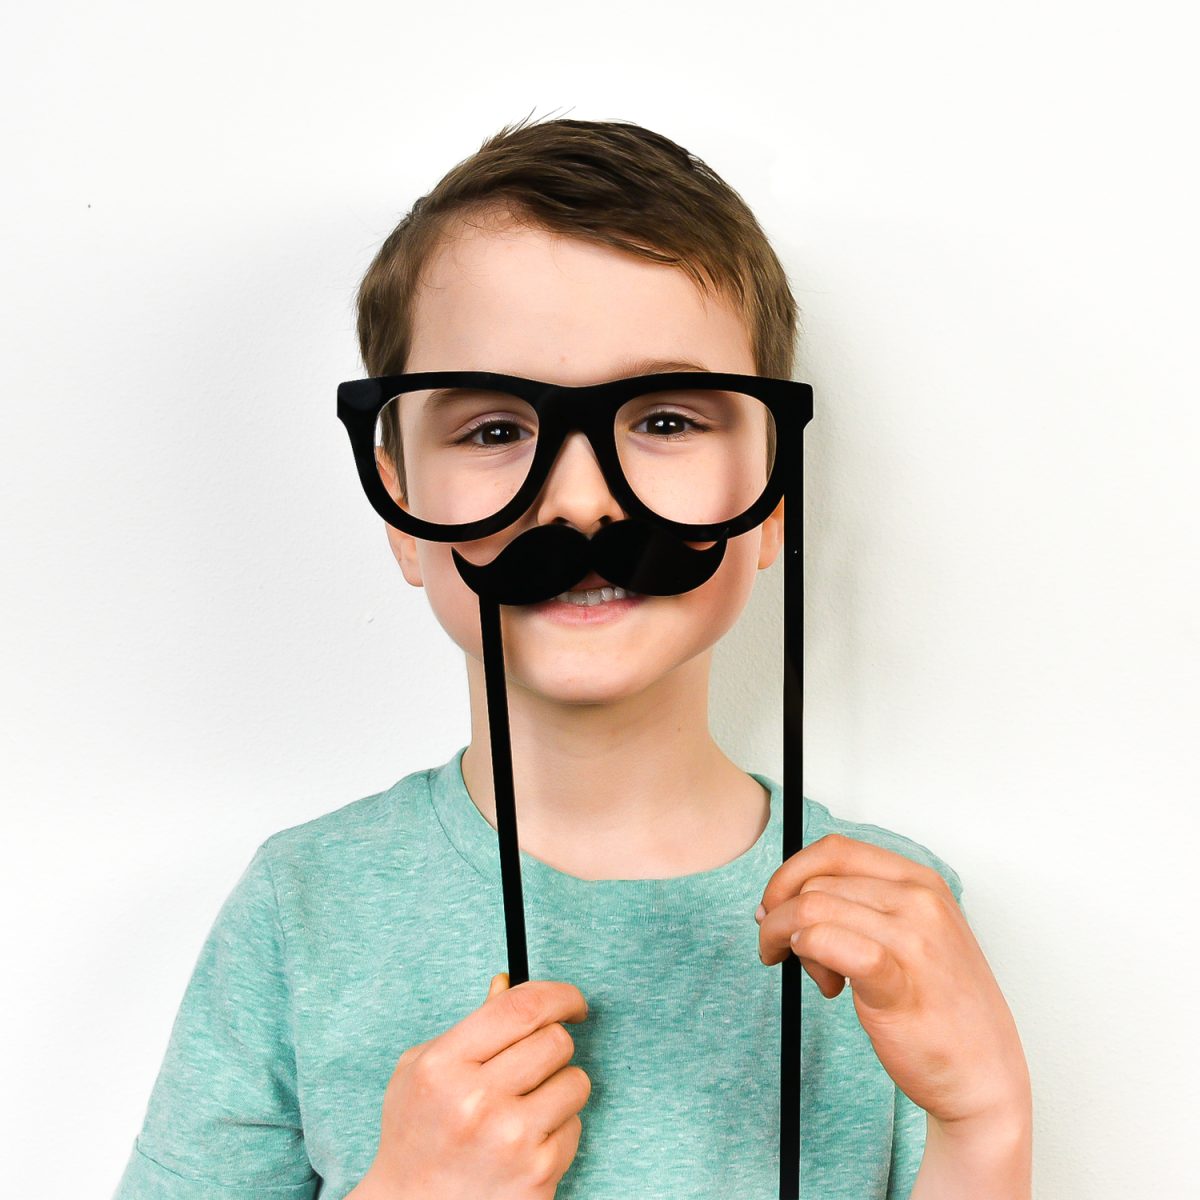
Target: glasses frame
(562,409)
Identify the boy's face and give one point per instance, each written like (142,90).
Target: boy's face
(539,305)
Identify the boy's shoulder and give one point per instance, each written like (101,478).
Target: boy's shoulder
(821,822)
(377,821)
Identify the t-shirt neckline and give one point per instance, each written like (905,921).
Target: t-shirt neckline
(543,885)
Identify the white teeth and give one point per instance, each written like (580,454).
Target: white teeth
(595,596)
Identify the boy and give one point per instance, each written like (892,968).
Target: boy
(332,1040)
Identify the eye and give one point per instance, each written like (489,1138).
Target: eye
(494,431)
(668,424)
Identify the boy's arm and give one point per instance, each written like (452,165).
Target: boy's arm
(931,1161)
(985,1162)
(989,1161)
(223,1116)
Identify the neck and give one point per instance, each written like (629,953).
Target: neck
(631,789)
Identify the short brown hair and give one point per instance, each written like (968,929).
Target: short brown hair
(610,182)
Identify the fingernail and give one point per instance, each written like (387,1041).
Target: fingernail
(759,913)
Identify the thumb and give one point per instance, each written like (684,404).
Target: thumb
(499,984)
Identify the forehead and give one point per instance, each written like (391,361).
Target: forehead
(530,302)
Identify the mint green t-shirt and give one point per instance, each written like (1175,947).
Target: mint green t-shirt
(355,935)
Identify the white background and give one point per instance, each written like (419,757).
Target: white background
(988,218)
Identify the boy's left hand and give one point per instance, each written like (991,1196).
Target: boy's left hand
(922,988)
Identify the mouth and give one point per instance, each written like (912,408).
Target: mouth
(593,590)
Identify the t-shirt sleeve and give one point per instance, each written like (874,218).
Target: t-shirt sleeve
(223,1118)
(908,1122)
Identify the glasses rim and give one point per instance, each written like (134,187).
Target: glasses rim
(561,409)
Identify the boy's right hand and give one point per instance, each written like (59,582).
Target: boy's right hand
(488,1108)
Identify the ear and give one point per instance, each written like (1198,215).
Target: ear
(772,537)
(404,545)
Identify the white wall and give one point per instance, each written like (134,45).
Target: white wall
(988,216)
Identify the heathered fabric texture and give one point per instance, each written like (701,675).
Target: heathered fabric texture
(376,926)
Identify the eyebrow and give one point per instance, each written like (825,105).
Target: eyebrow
(626,369)
(652,366)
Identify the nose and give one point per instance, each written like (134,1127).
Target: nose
(575,490)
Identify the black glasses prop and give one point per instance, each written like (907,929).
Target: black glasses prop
(691,456)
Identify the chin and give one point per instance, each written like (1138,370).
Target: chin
(583,691)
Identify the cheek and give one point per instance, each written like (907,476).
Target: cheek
(714,607)
(454,605)
(730,587)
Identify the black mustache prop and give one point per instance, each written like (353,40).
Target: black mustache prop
(549,559)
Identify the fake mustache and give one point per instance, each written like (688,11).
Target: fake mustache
(549,559)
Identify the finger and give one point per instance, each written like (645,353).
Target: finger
(835,854)
(554,1156)
(562,1096)
(527,1065)
(829,983)
(811,907)
(874,973)
(499,984)
(778,930)
(883,895)
(510,1016)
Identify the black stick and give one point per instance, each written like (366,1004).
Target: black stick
(793,841)
(502,786)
